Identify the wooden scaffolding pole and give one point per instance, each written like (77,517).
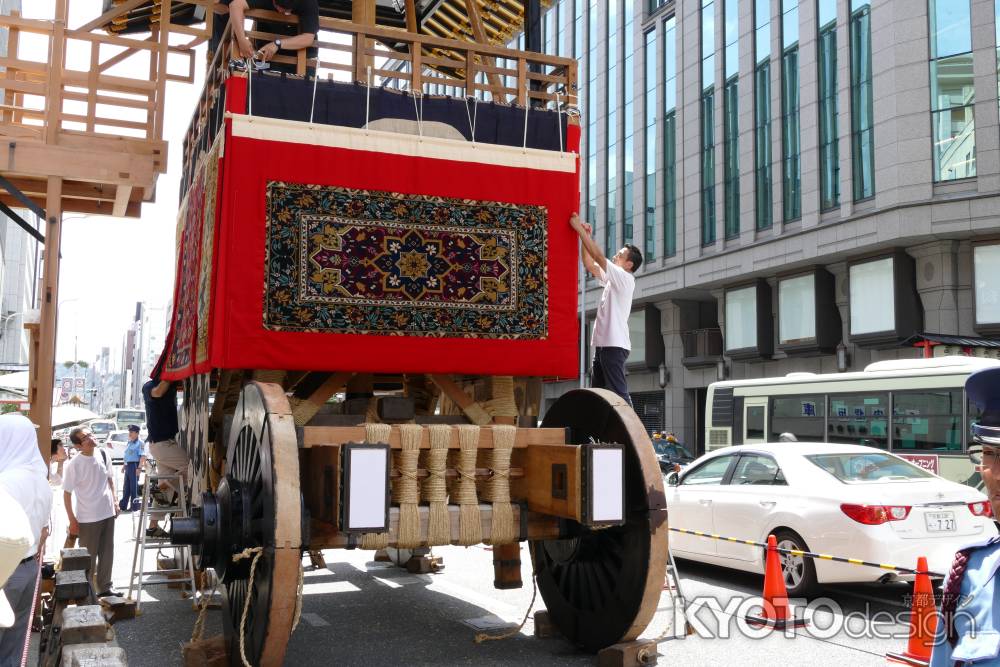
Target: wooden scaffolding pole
(43,371)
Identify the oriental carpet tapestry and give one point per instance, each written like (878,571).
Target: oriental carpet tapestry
(342,260)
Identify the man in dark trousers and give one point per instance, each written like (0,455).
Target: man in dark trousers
(160,397)
(303,37)
(611,338)
(131,459)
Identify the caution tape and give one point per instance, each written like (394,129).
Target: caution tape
(807,554)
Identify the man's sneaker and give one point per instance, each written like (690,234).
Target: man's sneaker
(110,593)
(157,533)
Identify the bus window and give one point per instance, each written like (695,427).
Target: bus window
(974,415)
(927,420)
(802,416)
(859,419)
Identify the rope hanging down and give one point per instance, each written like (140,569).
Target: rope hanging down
(255,552)
(486,637)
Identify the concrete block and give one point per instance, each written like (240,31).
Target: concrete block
(74,559)
(84,624)
(72,585)
(93,655)
(119,608)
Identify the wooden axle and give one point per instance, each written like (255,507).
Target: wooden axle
(481,473)
(326,536)
(334,436)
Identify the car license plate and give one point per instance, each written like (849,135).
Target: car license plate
(940,522)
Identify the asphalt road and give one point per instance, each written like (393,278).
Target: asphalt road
(360,612)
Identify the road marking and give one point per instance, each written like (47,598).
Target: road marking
(314,620)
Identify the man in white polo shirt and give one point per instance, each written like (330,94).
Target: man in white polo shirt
(610,339)
(88,480)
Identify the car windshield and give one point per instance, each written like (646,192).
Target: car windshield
(873,467)
(120,437)
(131,416)
(101,429)
(671,449)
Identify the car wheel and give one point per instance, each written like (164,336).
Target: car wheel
(799,571)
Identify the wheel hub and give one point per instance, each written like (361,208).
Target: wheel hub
(221,527)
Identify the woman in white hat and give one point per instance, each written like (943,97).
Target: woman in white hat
(23,476)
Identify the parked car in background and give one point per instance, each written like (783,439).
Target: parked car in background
(116,442)
(101,428)
(846,500)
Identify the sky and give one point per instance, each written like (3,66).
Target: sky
(108,264)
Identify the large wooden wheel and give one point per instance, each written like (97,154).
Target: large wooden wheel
(262,469)
(602,586)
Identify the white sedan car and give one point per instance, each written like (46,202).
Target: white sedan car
(116,443)
(844,500)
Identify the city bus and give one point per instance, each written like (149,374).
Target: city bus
(123,417)
(915,408)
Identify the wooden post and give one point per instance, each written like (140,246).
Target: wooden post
(476,23)
(45,362)
(411,17)
(53,108)
(363,14)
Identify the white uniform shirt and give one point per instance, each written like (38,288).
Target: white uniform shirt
(611,323)
(86,477)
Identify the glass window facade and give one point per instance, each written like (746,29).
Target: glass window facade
(628,122)
(593,67)
(797,309)
(986,266)
(826,47)
(741,318)
(953,125)
(762,113)
(791,134)
(649,181)
(670,137)
(872,296)
(611,129)
(708,8)
(862,121)
(731,123)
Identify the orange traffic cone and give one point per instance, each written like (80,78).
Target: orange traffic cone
(923,622)
(775,612)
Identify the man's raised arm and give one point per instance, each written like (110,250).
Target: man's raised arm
(591,254)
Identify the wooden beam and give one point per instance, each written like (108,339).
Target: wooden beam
(411,19)
(35,159)
(44,371)
(476,22)
(326,436)
(304,409)
(468,405)
(122,196)
(112,13)
(57,56)
(551,483)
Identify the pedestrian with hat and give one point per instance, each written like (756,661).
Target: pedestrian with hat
(133,458)
(22,480)
(969,629)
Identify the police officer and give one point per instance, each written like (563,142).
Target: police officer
(969,629)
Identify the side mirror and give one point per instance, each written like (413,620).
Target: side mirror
(673,479)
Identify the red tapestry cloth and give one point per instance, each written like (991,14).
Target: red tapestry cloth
(341,249)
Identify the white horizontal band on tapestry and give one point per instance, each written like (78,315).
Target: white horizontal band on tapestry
(394,143)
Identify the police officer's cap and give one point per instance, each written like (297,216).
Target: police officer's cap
(983,390)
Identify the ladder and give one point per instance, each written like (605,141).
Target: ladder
(183,563)
(672,586)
